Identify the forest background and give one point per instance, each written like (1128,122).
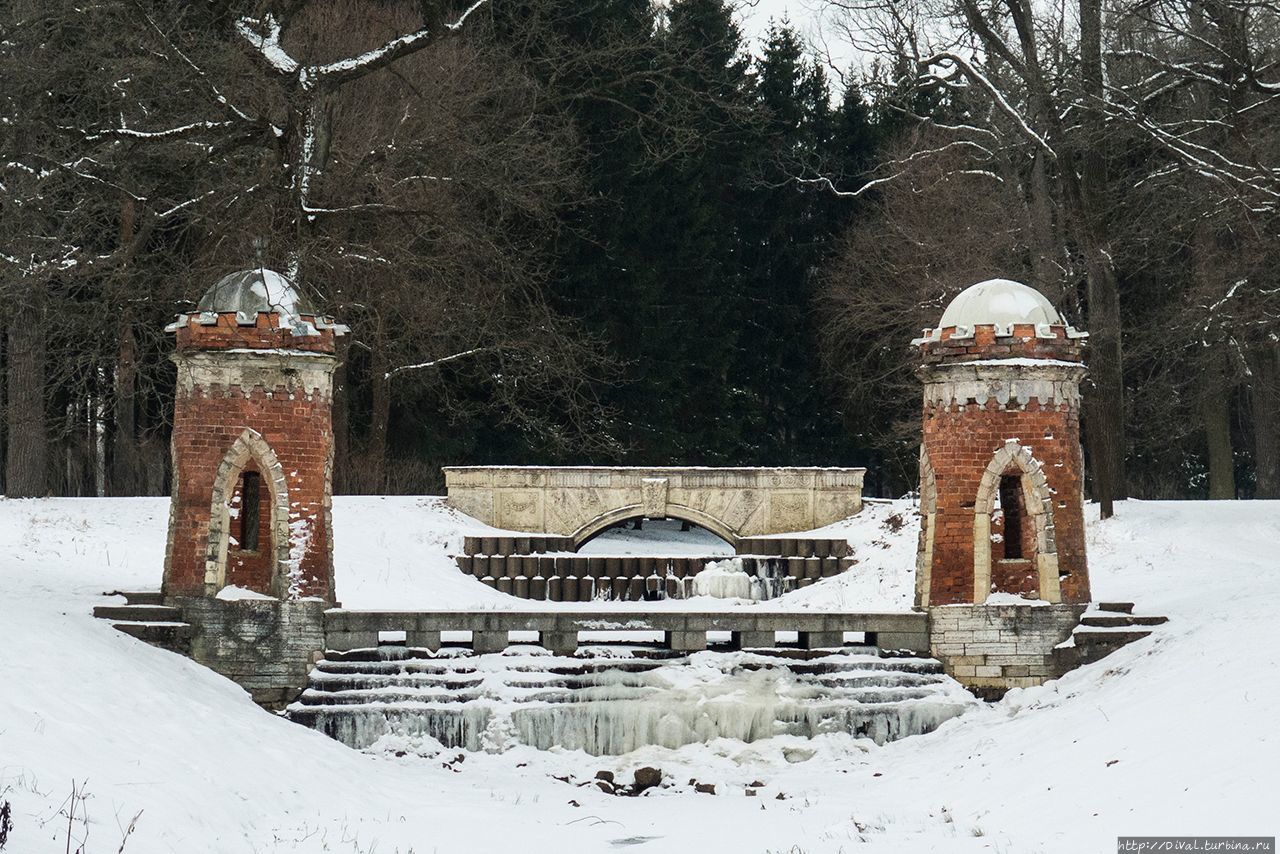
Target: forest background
(612,232)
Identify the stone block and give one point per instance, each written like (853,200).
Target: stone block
(753,640)
(685,641)
(420,639)
(821,640)
(914,641)
(488,641)
(343,641)
(559,642)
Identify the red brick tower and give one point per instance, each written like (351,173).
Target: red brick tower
(1001,470)
(252,443)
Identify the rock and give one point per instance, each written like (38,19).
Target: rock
(647,778)
(797,754)
(781,797)
(756,785)
(605,786)
(607,776)
(705,788)
(751,793)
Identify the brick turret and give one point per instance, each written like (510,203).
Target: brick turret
(252,443)
(1001,470)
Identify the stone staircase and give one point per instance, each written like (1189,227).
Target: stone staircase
(1103,631)
(608,700)
(145,617)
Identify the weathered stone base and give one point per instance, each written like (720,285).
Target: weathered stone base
(265,646)
(992,648)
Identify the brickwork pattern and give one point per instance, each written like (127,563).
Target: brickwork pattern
(252,396)
(967,425)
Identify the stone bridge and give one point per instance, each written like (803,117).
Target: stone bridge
(580,502)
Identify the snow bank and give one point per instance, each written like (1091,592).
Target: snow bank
(1173,734)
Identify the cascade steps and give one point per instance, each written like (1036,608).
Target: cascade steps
(583,578)
(612,699)
(145,617)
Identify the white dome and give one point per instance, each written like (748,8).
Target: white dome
(1001,302)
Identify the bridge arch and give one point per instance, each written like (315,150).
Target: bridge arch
(605,521)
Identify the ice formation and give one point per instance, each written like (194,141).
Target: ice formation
(613,705)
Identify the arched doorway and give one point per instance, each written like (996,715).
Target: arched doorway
(1014,550)
(248,520)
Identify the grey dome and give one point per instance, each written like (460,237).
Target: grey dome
(1000,302)
(248,292)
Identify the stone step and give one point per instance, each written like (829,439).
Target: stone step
(175,637)
(139,613)
(604,702)
(1112,639)
(139,597)
(1120,620)
(1118,607)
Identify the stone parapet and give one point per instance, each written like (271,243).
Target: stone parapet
(346,630)
(579,502)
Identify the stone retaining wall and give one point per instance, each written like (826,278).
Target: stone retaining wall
(265,646)
(992,648)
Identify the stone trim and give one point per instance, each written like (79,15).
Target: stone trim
(928,529)
(1011,386)
(1038,500)
(579,501)
(237,373)
(250,445)
(602,523)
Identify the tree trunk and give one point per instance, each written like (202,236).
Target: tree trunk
(125,464)
(1104,429)
(26,466)
(380,417)
(341,424)
(1265,367)
(1215,409)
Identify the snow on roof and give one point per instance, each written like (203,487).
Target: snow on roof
(999,301)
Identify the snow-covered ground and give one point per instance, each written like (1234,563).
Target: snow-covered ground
(1172,735)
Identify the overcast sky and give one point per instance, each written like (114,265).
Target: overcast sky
(809,17)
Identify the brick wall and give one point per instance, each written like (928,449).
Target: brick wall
(981,392)
(260,397)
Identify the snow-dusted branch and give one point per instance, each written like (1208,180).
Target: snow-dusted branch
(950,59)
(436,362)
(264,36)
(169,133)
(267,44)
(335,73)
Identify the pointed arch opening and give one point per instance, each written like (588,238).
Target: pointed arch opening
(248,520)
(1014,550)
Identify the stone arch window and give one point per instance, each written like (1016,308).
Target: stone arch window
(248,455)
(928,519)
(1015,479)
